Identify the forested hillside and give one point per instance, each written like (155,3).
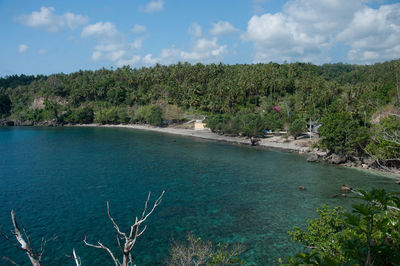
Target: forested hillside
(354,103)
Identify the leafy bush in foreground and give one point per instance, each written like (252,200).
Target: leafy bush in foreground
(368,235)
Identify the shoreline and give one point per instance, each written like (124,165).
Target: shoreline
(269,143)
(272,142)
(300,146)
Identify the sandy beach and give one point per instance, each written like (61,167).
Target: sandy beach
(301,145)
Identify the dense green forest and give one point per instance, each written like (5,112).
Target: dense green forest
(355,103)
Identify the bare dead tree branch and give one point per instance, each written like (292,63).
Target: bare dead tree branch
(392,208)
(380,163)
(24,242)
(134,233)
(197,252)
(10,261)
(101,246)
(76,258)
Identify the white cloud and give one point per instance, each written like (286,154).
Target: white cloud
(277,37)
(96,56)
(47,19)
(100,29)
(22,48)
(153,6)
(258,5)
(137,29)
(113,55)
(131,61)
(137,43)
(149,60)
(222,27)
(109,51)
(373,34)
(195,30)
(322,16)
(202,50)
(111,44)
(42,52)
(306,30)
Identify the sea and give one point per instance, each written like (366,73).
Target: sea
(59,180)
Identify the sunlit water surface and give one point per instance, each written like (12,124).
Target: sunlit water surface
(58,181)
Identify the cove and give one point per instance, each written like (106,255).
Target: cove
(58,181)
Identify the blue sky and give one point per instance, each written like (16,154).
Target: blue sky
(44,37)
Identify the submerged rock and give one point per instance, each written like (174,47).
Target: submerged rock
(345,189)
(302,188)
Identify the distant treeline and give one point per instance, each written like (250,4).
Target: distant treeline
(14,81)
(239,99)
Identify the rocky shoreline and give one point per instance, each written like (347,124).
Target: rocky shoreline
(46,123)
(313,155)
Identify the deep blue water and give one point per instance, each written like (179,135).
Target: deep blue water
(58,181)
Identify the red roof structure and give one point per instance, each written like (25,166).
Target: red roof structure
(276,108)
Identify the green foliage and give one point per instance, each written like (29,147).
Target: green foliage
(5,105)
(34,115)
(297,127)
(50,110)
(15,80)
(243,123)
(374,229)
(369,235)
(111,115)
(84,115)
(324,233)
(342,134)
(148,114)
(273,121)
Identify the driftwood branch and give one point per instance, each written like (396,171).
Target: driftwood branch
(130,239)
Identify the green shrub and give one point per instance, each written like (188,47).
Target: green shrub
(340,133)
(83,115)
(5,105)
(148,114)
(107,116)
(297,127)
(368,235)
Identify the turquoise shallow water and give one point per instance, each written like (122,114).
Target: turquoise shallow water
(58,181)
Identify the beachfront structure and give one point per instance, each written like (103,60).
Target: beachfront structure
(199,125)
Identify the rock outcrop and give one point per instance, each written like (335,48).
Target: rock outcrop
(312,158)
(345,189)
(337,159)
(4,122)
